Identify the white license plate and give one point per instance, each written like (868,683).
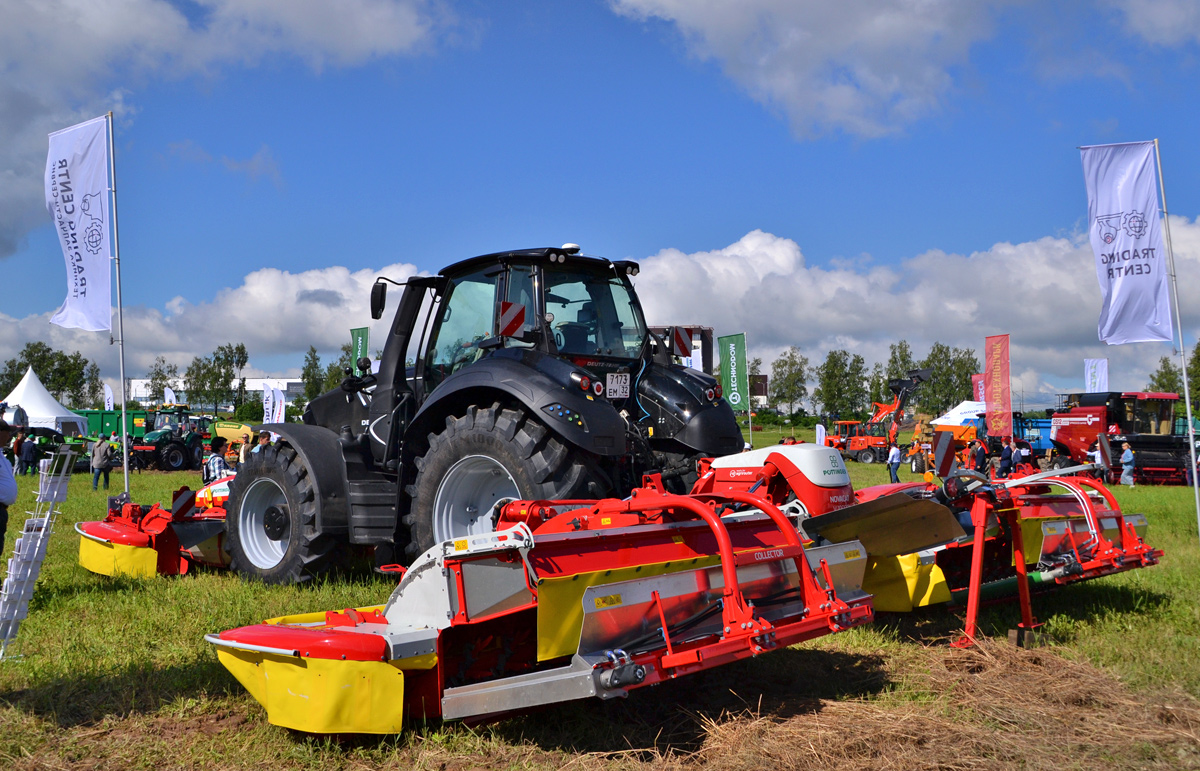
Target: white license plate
(617,386)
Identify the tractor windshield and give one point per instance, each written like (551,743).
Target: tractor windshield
(1150,416)
(593,313)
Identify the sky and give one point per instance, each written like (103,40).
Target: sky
(825,175)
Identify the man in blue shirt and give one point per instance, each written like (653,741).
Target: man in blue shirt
(1127,464)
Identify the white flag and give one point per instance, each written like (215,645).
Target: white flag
(1095,376)
(108,397)
(1126,234)
(169,395)
(820,436)
(268,404)
(77,197)
(280,415)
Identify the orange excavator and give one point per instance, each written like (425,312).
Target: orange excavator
(868,442)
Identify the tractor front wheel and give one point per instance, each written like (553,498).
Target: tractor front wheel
(1061,462)
(866,456)
(173,457)
(486,455)
(271,520)
(918,464)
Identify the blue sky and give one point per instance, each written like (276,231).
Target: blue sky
(819,174)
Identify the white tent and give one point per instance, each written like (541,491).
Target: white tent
(962,414)
(43,409)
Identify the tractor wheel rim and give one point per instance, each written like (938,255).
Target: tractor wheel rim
(174,458)
(463,503)
(263,551)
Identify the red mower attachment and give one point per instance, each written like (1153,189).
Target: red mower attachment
(144,541)
(566,600)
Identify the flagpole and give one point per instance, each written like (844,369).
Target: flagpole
(112,172)
(1187,395)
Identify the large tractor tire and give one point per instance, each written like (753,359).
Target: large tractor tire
(271,520)
(196,454)
(1062,461)
(866,456)
(487,455)
(918,463)
(173,457)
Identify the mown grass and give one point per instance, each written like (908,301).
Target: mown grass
(114,673)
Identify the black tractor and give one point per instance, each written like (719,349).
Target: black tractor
(523,375)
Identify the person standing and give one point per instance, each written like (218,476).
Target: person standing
(1005,460)
(27,460)
(981,458)
(243,451)
(216,466)
(102,457)
(893,461)
(1127,464)
(8,483)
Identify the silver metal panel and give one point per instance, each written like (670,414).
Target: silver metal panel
(575,681)
(492,586)
(847,564)
(889,525)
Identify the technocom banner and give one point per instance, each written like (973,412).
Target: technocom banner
(1126,234)
(77,197)
(997,390)
(734,378)
(359,343)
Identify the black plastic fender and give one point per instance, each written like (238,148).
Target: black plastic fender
(679,409)
(321,452)
(537,382)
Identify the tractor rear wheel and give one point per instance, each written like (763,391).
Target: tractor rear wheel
(918,464)
(197,455)
(1061,461)
(271,520)
(486,455)
(866,456)
(173,457)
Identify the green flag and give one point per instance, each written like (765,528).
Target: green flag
(734,378)
(358,343)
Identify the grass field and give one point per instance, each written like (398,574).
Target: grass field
(115,674)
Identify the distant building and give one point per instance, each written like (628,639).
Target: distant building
(759,396)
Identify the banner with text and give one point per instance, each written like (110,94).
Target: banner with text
(280,415)
(108,397)
(997,390)
(359,342)
(77,197)
(1095,375)
(268,404)
(1126,234)
(977,387)
(734,379)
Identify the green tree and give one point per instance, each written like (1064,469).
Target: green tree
(754,367)
(900,360)
(336,371)
(71,378)
(950,381)
(234,358)
(877,386)
(198,381)
(311,375)
(1167,378)
(789,378)
(162,375)
(841,384)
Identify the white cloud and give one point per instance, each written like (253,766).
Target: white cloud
(868,68)
(273,312)
(1043,293)
(61,57)
(1162,22)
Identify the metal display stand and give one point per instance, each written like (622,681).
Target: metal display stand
(30,550)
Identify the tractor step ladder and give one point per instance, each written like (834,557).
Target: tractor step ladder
(26,562)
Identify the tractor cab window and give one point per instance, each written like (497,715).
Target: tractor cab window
(593,313)
(166,420)
(467,318)
(517,310)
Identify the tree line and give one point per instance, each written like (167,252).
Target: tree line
(844,387)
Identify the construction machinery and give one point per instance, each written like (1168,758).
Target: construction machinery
(532,377)
(562,600)
(868,442)
(1144,419)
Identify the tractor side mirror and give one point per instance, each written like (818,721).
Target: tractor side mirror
(378,299)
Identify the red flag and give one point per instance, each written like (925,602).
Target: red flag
(997,391)
(977,388)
